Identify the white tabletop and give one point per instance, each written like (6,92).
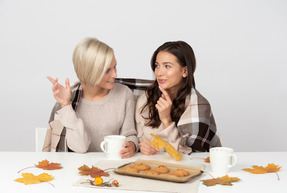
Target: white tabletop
(12,162)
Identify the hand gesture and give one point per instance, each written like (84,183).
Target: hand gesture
(146,148)
(62,94)
(163,106)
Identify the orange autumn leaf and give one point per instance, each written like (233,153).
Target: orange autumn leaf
(28,178)
(46,165)
(207,160)
(224,180)
(270,168)
(93,171)
(263,170)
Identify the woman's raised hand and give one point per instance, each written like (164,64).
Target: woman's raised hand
(62,94)
(163,106)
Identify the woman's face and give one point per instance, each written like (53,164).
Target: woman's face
(108,80)
(168,71)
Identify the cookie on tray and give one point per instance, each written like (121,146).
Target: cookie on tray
(142,167)
(180,173)
(161,169)
(151,172)
(131,169)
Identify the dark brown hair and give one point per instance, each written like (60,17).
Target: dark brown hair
(185,57)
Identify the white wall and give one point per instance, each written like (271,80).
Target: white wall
(241,49)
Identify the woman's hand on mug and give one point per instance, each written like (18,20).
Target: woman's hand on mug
(146,148)
(129,150)
(62,94)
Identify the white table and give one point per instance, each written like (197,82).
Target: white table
(12,162)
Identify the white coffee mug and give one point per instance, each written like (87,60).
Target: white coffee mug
(222,159)
(112,145)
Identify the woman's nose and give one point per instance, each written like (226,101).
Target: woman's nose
(159,71)
(115,73)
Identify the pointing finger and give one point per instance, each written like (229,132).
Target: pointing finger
(67,81)
(53,81)
(166,96)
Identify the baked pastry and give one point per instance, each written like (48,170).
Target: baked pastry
(142,167)
(180,173)
(151,172)
(131,169)
(161,169)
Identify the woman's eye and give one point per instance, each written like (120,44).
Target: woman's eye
(167,66)
(156,66)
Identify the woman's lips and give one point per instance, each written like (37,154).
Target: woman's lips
(111,81)
(161,81)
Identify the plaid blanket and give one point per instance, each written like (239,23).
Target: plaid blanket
(197,125)
(138,86)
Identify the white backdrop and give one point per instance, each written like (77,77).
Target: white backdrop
(241,49)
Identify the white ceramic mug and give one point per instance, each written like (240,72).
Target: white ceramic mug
(112,145)
(222,159)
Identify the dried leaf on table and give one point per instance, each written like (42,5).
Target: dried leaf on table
(46,165)
(224,180)
(93,171)
(158,143)
(28,178)
(207,160)
(270,168)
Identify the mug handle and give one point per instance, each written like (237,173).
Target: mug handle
(234,160)
(103,146)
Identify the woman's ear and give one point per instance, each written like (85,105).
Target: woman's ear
(185,72)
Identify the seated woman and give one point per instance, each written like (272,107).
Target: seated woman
(94,107)
(171,107)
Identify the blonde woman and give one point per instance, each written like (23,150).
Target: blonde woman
(94,107)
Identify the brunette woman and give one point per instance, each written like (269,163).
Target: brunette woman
(172,107)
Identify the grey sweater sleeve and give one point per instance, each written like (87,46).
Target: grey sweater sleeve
(128,128)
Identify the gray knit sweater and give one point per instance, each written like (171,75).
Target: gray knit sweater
(92,120)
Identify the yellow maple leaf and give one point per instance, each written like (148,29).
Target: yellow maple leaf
(263,170)
(158,143)
(224,180)
(28,178)
(270,168)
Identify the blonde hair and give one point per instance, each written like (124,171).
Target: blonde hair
(91,60)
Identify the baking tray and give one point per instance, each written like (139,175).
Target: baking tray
(193,170)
